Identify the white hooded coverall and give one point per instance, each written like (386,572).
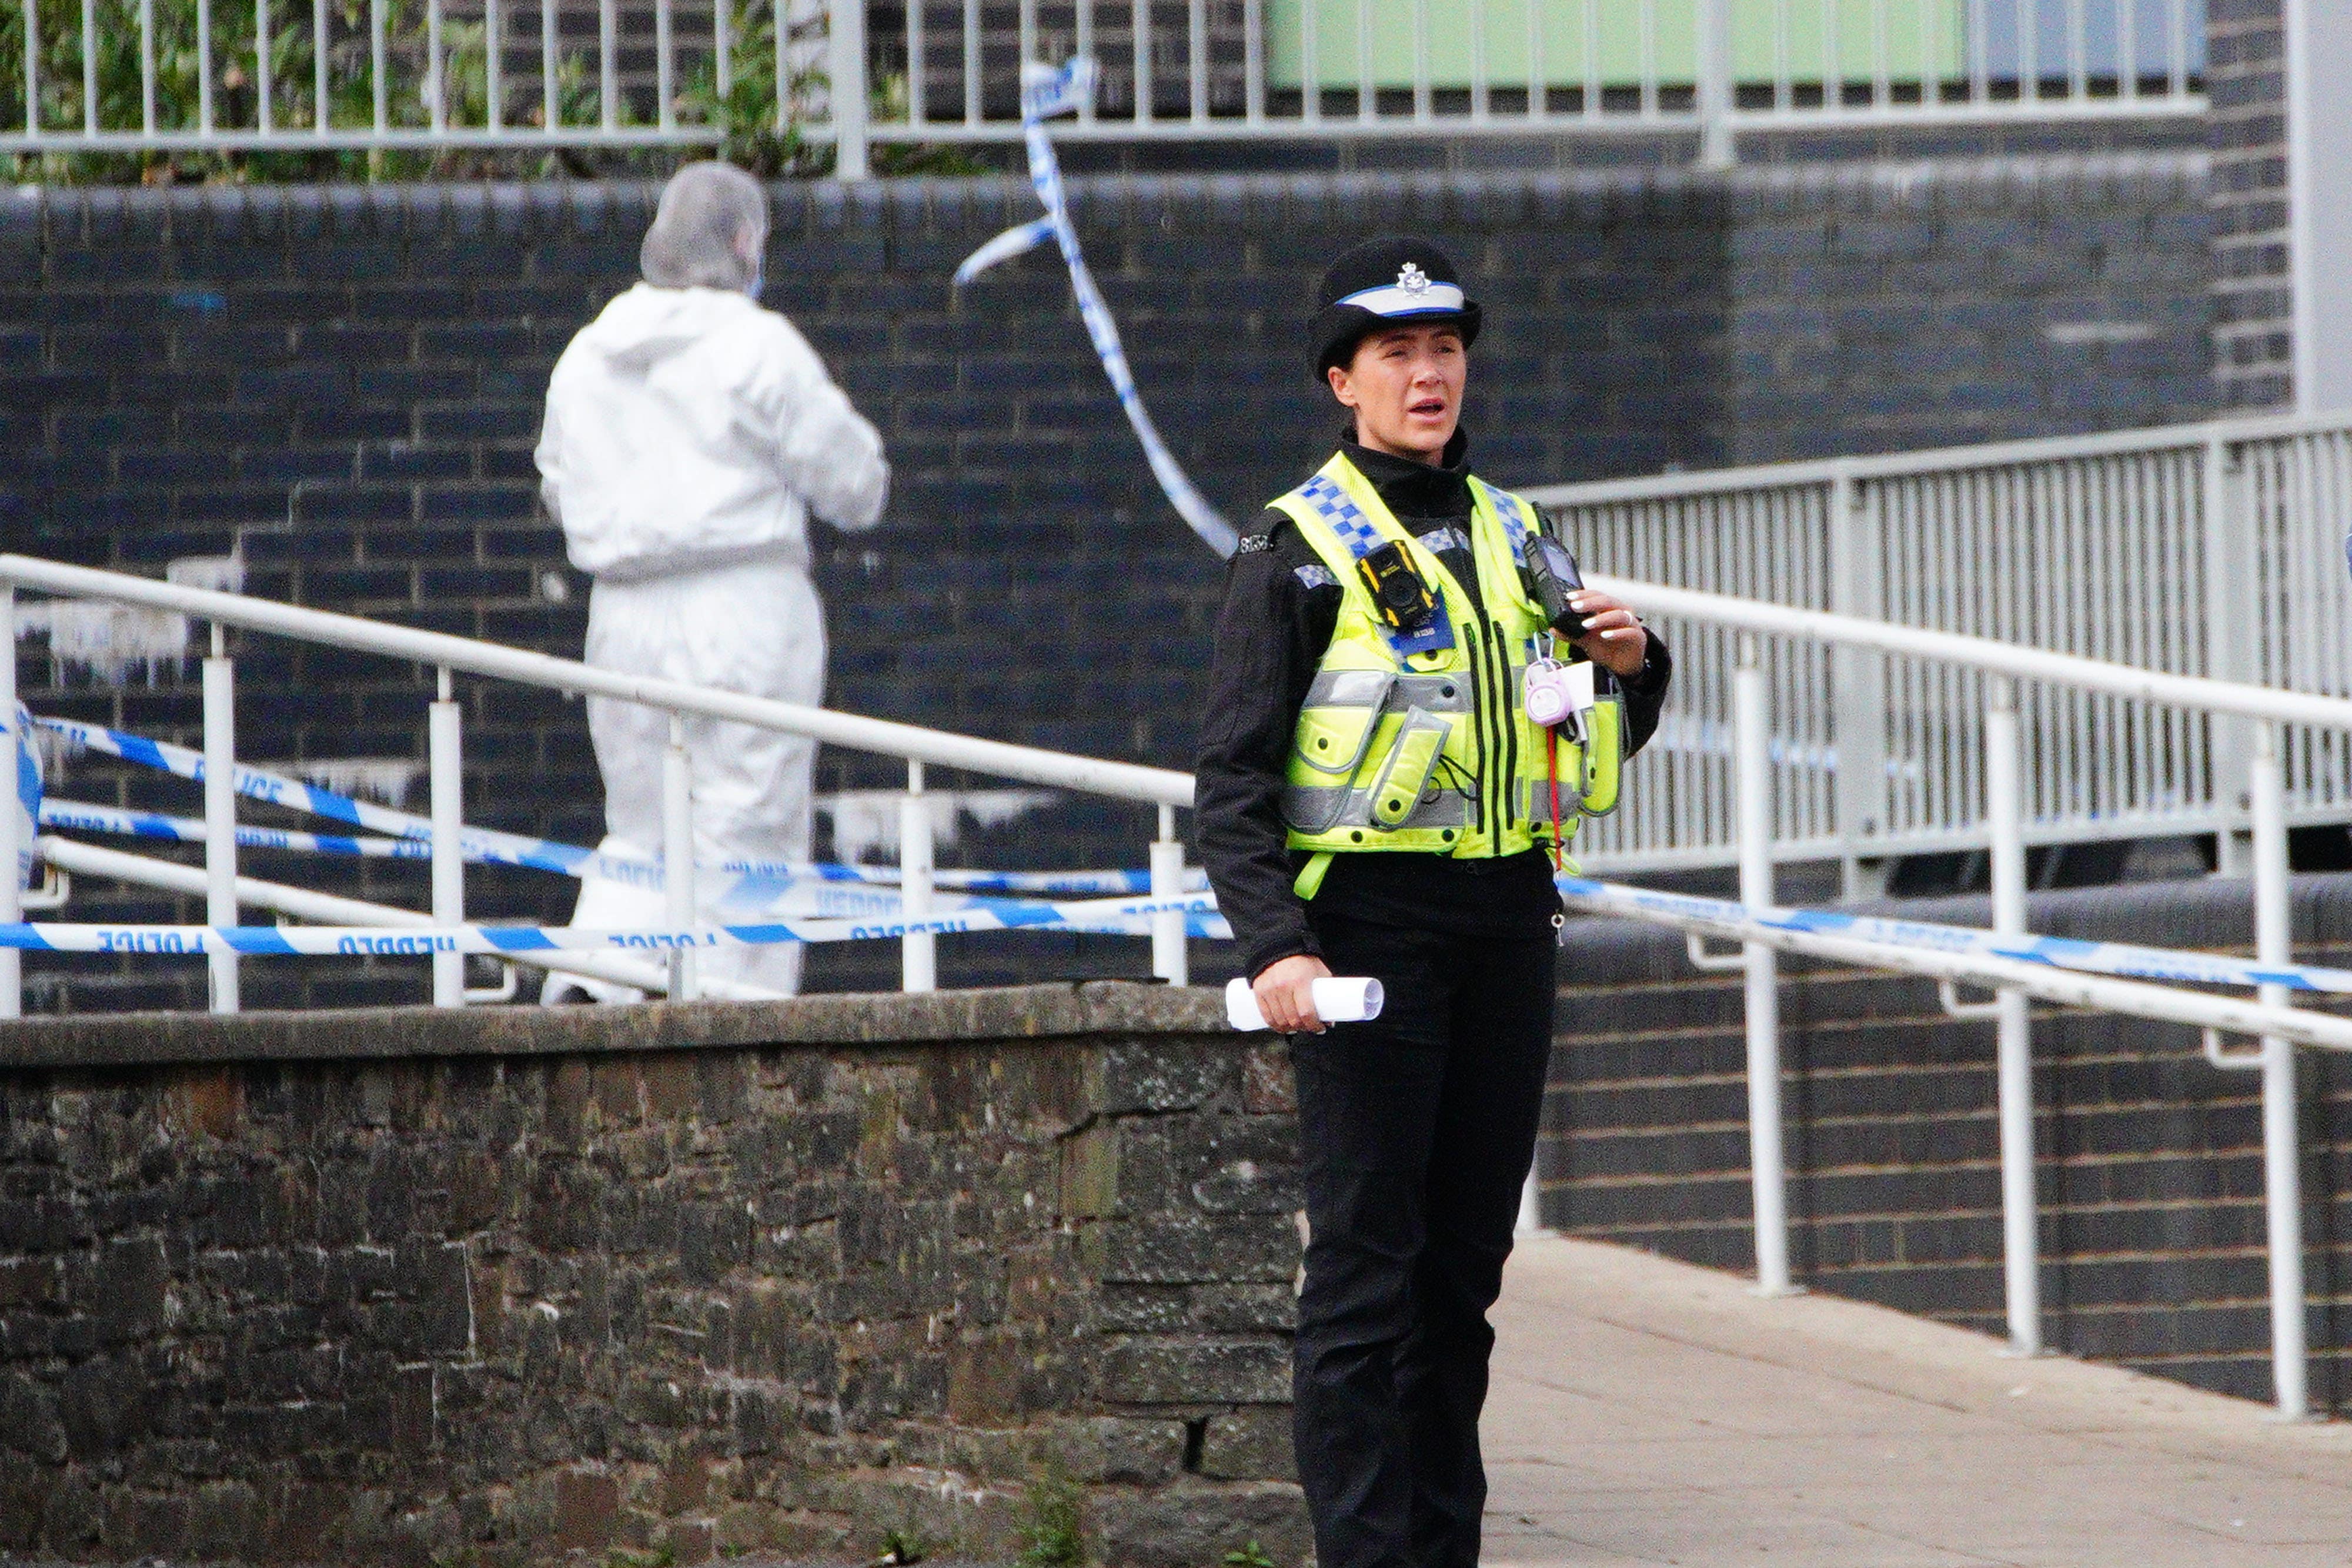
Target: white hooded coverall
(689,434)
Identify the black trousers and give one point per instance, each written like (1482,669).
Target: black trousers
(1415,1130)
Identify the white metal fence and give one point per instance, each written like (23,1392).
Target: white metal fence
(2214,549)
(225,890)
(123,75)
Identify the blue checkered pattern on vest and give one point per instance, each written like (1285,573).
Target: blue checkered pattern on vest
(1516,524)
(1356,531)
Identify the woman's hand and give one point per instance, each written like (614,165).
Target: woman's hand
(1284,998)
(1613,637)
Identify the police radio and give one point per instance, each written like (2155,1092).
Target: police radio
(1551,580)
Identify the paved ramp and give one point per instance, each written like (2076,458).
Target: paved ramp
(1647,1412)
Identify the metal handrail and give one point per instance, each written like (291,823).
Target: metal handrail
(1094,776)
(452,655)
(2200,692)
(2004,665)
(1927,460)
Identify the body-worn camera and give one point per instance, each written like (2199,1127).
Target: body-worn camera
(1551,577)
(1398,592)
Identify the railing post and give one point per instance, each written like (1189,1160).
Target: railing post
(2282,1151)
(678,855)
(12,903)
(1717,148)
(444,755)
(1168,958)
(2230,610)
(1858,690)
(1752,759)
(919,954)
(845,96)
(220,816)
(2013,1028)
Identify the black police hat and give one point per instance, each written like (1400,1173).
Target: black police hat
(1384,281)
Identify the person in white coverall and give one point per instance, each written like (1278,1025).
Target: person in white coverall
(689,435)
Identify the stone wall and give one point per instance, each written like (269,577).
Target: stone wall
(409,1288)
(2151,1159)
(345,383)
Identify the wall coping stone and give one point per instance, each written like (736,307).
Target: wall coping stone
(1039,1012)
(467,210)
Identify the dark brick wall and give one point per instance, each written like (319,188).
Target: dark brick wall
(708,1279)
(2151,1159)
(2253,308)
(345,383)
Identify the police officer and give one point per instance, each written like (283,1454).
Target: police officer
(1375,800)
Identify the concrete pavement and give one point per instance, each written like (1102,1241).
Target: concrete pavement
(1649,1412)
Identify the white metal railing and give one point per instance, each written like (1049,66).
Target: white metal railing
(449,656)
(186,74)
(2203,549)
(1762,637)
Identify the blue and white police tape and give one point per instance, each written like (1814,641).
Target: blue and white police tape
(1048,91)
(491,846)
(1109,916)
(2122,960)
(88,817)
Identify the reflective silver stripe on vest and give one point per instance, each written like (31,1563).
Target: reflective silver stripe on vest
(1393,693)
(1319,807)
(1571,799)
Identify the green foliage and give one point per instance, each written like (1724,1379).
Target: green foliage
(662,1556)
(1050,1536)
(901,1546)
(1250,1556)
(761,130)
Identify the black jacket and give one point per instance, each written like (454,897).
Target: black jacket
(1280,609)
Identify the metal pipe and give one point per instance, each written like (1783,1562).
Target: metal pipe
(2282,1153)
(204,63)
(494,64)
(1168,958)
(1751,743)
(665,67)
(2061,988)
(1141,53)
(33,68)
(919,957)
(1196,60)
(445,762)
(12,852)
(1123,780)
(380,69)
(608,61)
(845,100)
(722,46)
(89,66)
(436,70)
(147,67)
(261,65)
(2013,1029)
(1719,149)
(220,814)
(321,113)
(550,96)
(677,852)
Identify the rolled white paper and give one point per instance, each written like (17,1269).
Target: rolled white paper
(1338,1000)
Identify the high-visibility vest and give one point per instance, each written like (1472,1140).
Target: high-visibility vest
(1421,742)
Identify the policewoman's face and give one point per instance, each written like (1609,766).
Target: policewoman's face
(1405,386)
